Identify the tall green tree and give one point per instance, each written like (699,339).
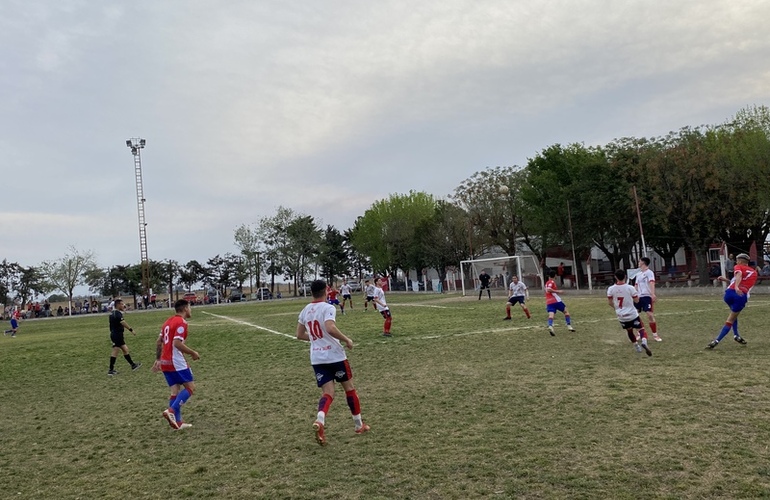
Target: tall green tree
(333,256)
(304,240)
(249,242)
(443,238)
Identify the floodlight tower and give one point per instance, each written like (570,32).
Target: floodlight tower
(136,145)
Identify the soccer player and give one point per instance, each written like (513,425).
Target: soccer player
(368,293)
(170,350)
(554,303)
(623,298)
(484,279)
(117,327)
(645,285)
(736,296)
(15,316)
(346,295)
(331,297)
(382,306)
(518,293)
(317,324)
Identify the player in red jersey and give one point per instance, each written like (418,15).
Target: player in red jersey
(331,297)
(170,358)
(736,296)
(554,303)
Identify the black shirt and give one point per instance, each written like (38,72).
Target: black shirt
(484,278)
(116,318)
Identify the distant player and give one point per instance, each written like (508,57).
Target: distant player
(346,295)
(170,350)
(331,297)
(645,284)
(484,279)
(518,294)
(382,307)
(554,303)
(736,296)
(317,324)
(368,293)
(15,317)
(118,326)
(623,298)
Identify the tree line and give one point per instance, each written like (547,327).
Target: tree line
(695,187)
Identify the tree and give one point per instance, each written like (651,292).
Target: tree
(496,218)
(190,274)
(333,256)
(272,231)
(248,241)
(303,240)
(69,271)
(444,238)
(31,282)
(9,279)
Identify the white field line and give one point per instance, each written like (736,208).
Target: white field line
(420,305)
(251,325)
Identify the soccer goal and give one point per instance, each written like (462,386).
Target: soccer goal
(501,269)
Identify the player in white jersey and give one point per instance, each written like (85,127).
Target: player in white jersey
(645,284)
(317,324)
(368,294)
(382,306)
(518,293)
(346,295)
(622,297)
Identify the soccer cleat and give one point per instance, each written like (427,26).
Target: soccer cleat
(171,418)
(657,337)
(569,327)
(507,319)
(386,334)
(136,366)
(318,427)
(647,349)
(739,339)
(712,344)
(183,426)
(362,429)
(550,330)
(638,347)
(112,372)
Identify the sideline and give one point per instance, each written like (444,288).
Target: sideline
(250,324)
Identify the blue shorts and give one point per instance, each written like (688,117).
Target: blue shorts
(644,304)
(330,372)
(556,306)
(516,299)
(179,378)
(14,323)
(334,302)
(734,301)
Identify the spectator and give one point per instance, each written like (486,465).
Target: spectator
(765,271)
(730,266)
(560,273)
(60,311)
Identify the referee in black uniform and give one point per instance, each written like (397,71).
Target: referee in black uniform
(117,327)
(484,283)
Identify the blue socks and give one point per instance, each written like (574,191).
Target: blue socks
(181,399)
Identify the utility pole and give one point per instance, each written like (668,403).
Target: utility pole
(136,144)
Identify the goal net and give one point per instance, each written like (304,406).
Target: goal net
(500,269)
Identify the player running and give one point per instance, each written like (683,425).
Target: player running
(317,324)
(645,284)
(170,350)
(15,316)
(623,298)
(518,294)
(331,297)
(736,296)
(554,303)
(382,306)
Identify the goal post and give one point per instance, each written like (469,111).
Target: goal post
(501,269)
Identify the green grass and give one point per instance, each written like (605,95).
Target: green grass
(461,405)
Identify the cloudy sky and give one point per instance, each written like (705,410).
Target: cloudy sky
(327,106)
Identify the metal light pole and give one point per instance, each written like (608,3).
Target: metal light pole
(136,145)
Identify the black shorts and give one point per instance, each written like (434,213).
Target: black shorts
(117,339)
(385,313)
(516,299)
(347,296)
(369,298)
(483,286)
(634,323)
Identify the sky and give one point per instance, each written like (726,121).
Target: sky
(328,106)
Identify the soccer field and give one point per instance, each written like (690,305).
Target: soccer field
(461,405)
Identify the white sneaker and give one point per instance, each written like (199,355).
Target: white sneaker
(184,426)
(638,348)
(657,338)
